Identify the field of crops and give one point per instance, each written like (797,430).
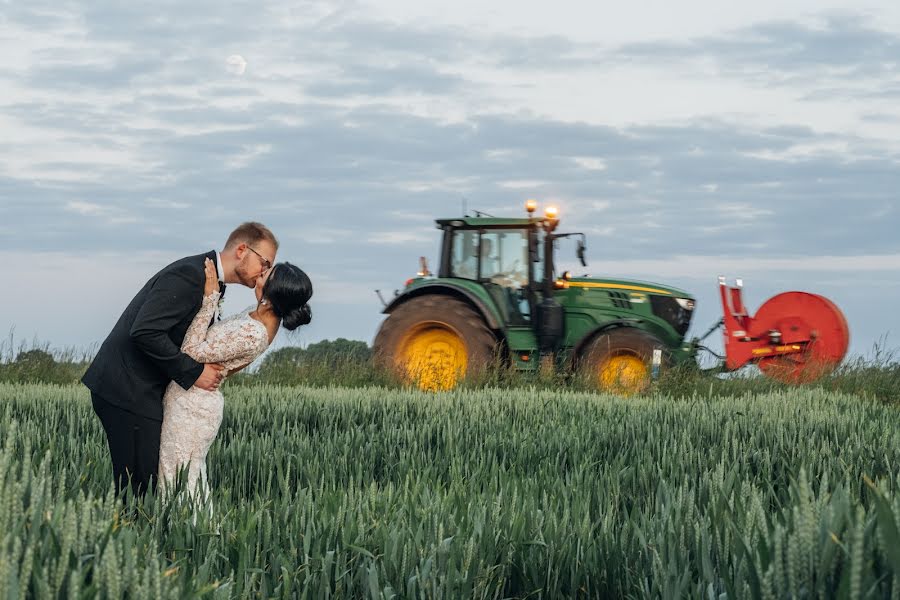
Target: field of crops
(332,493)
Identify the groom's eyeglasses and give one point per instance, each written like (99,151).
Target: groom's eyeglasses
(265,261)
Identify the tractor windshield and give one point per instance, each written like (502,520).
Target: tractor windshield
(499,259)
(499,256)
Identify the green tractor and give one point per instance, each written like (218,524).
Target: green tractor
(497,296)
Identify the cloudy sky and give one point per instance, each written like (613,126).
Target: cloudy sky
(687,140)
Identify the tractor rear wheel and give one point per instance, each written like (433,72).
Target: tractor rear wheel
(434,341)
(620,361)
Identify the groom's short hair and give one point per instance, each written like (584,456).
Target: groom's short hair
(250,233)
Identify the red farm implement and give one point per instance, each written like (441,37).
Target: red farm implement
(794,337)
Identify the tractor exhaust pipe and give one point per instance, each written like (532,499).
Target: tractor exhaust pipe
(380,297)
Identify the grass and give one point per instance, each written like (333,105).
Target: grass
(490,493)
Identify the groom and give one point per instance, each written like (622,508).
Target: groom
(142,353)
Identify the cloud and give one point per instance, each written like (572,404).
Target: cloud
(247,155)
(350,134)
(841,56)
(109,215)
(700,267)
(374,79)
(743,212)
(166,204)
(329,177)
(85,208)
(398,237)
(591,163)
(518,184)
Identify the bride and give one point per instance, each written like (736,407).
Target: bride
(191,418)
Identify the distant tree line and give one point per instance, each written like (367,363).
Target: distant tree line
(332,352)
(328,362)
(40,366)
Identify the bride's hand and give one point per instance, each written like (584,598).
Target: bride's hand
(212,278)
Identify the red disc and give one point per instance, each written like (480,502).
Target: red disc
(810,319)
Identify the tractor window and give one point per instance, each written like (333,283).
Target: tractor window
(504,257)
(504,272)
(464,254)
(498,258)
(538,266)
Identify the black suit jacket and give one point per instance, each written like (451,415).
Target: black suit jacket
(142,353)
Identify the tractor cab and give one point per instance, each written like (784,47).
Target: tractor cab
(503,256)
(513,261)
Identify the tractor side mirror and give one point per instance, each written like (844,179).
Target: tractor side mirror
(580,253)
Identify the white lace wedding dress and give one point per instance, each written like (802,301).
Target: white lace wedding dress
(191,418)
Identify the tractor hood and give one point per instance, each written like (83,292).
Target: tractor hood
(629,285)
(644,298)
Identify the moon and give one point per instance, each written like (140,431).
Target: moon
(236,64)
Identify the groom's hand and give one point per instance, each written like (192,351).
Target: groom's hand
(211,377)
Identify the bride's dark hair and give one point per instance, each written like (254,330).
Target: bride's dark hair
(288,289)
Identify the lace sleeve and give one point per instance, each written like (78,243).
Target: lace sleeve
(230,343)
(199,327)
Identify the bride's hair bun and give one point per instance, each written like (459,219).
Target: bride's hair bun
(288,289)
(297,317)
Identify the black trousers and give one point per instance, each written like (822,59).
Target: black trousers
(133,446)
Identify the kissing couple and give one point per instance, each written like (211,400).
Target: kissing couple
(155,380)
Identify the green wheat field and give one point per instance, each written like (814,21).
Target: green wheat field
(373,492)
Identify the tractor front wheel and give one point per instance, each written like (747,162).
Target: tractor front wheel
(620,361)
(434,341)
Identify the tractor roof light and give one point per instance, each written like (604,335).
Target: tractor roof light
(531,206)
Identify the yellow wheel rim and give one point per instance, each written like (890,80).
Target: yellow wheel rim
(433,357)
(624,374)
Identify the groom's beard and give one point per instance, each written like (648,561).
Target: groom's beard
(247,274)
